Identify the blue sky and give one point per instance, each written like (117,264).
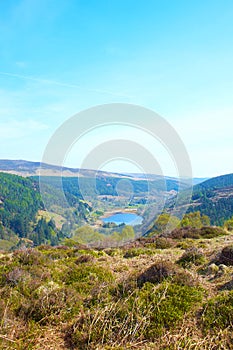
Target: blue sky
(58,57)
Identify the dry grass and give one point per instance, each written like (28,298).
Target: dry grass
(105,313)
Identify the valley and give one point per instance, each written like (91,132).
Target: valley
(63,205)
(73,269)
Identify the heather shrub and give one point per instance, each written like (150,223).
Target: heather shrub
(86,277)
(29,257)
(163,243)
(15,276)
(217,313)
(157,272)
(226,256)
(163,270)
(192,256)
(133,252)
(84,259)
(211,232)
(145,314)
(185,232)
(49,303)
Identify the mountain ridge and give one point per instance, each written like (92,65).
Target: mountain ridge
(33,168)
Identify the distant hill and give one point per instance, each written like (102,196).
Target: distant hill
(106,181)
(28,168)
(213,197)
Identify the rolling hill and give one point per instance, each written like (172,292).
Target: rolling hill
(28,168)
(213,197)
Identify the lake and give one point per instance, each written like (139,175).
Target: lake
(124,218)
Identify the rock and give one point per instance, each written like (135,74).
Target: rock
(212,269)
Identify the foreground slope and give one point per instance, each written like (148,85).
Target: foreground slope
(159,293)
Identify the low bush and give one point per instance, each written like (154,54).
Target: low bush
(211,232)
(84,259)
(185,232)
(29,257)
(163,270)
(157,272)
(163,243)
(226,256)
(145,314)
(195,233)
(86,277)
(218,313)
(192,256)
(133,252)
(49,303)
(15,276)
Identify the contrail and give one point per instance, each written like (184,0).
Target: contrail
(54,82)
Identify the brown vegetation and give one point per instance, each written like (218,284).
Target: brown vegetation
(151,294)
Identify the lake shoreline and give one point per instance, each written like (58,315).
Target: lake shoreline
(109,213)
(126,217)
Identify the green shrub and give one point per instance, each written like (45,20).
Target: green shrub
(113,252)
(86,277)
(29,257)
(211,232)
(144,315)
(133,252)
(49,303)
(55,253)
(218,312)
(92,252)
(163,243)
(192,256)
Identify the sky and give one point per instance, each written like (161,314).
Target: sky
(175,57)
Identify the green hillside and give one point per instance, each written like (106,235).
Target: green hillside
(213,198)
(20,201)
